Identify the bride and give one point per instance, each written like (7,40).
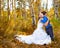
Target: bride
(39,36)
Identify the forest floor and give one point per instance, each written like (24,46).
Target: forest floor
(12,43)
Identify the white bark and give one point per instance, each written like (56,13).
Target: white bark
(32,12)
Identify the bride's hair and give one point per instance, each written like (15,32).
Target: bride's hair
(43,12)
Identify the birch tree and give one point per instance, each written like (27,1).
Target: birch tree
(32,12)
(0,7)
(55,8)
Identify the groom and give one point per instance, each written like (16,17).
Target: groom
(46,22)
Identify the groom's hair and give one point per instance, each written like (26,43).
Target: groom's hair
(43,12)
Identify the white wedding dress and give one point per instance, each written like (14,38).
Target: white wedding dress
(39,36)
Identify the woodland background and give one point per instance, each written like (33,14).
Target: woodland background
(15,18)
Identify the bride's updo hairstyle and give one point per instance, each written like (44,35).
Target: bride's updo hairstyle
(43,12)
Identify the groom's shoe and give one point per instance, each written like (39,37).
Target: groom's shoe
(44,44)
(52,39)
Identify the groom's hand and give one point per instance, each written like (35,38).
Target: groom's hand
(46,23)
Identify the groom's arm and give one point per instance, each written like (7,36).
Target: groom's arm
(45,21)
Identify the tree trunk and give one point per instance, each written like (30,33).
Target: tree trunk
(23,9)
(47,5)
(32,12)
(56,8)
(0,7)
(8,10)
(39,8)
